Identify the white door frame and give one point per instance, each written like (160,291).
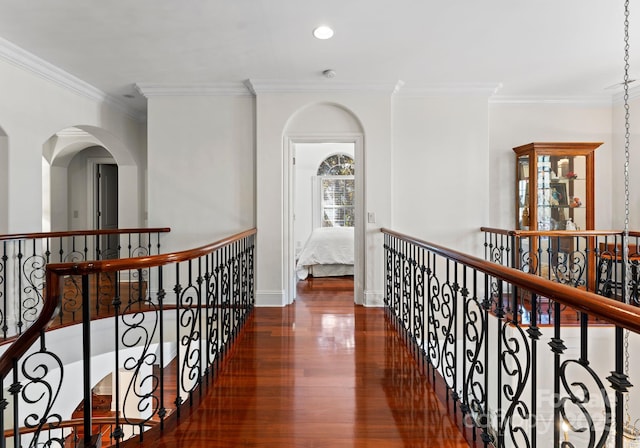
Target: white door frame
(289,208)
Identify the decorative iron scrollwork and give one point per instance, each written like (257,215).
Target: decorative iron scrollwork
(475,329)
(43,372)
(190,340)
(515,360)
(579,397)
(139,331)
(33,269)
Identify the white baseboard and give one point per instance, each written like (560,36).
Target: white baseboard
(270,298)
(373,299)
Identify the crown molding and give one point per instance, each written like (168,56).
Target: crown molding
(213,89)
(29,62)
(257,86)
(448,89)
(586,100)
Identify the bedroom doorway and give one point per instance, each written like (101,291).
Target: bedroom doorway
(324,198)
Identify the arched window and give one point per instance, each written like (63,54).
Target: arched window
(337,191)
(337,165)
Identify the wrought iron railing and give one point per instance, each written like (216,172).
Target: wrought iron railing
(157,350)
(515,382)
(23,258)
(591,260)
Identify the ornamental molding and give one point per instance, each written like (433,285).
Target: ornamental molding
(31,63)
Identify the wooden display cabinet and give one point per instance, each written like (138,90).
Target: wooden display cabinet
(555,186)
(554,191)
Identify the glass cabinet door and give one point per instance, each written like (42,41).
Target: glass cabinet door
(555,186)
(561,185)
(523,210)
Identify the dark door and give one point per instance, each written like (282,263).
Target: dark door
(107,207)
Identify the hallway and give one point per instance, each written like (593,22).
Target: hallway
(320,373)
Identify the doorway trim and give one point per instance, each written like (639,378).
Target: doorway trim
(289,208)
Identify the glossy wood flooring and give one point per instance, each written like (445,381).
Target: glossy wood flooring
(319,373)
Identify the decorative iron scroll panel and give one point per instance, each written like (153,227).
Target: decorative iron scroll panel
(23,263)
(517,380)
(160,348)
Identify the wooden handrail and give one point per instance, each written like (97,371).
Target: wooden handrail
(149,261)
(52,295)
(558,233)
(77,422)
(29,236)
(614,312)
(498,231)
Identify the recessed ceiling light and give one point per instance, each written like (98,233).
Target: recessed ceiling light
(323,32)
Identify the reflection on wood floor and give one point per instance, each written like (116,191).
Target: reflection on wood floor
(320,373)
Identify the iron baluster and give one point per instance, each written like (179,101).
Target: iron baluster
(86,357)
(486,436)
(200,279)
(500,329)
(20,274)
(118,432)
(534,333)
(177,290)
(14,390)
(466,374)
(162,411)
(558,348)
(4,280)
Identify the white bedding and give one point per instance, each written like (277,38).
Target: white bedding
(326,245)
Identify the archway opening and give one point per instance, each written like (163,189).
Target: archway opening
(321,125)
(82,183)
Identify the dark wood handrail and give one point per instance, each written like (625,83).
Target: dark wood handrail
(77,422)
(149,261)
(559,233)
(56,270)
(31,236)
(617,313)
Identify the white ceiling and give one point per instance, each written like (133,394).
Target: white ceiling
(533,48)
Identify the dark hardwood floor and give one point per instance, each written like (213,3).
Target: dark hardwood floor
(320,373)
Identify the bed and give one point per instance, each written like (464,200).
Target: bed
(327,253)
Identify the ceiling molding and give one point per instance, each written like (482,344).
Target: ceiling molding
(447,89)
(257,86)
(585,100)
(45,70)
(213,89)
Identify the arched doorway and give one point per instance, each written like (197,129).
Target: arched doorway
(323,124)
(84,167)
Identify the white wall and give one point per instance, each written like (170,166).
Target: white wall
(201,167)
(4,181)
(512,124)
(617,176)
(274,111)
(309,156)
(31,111)
(441,169)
